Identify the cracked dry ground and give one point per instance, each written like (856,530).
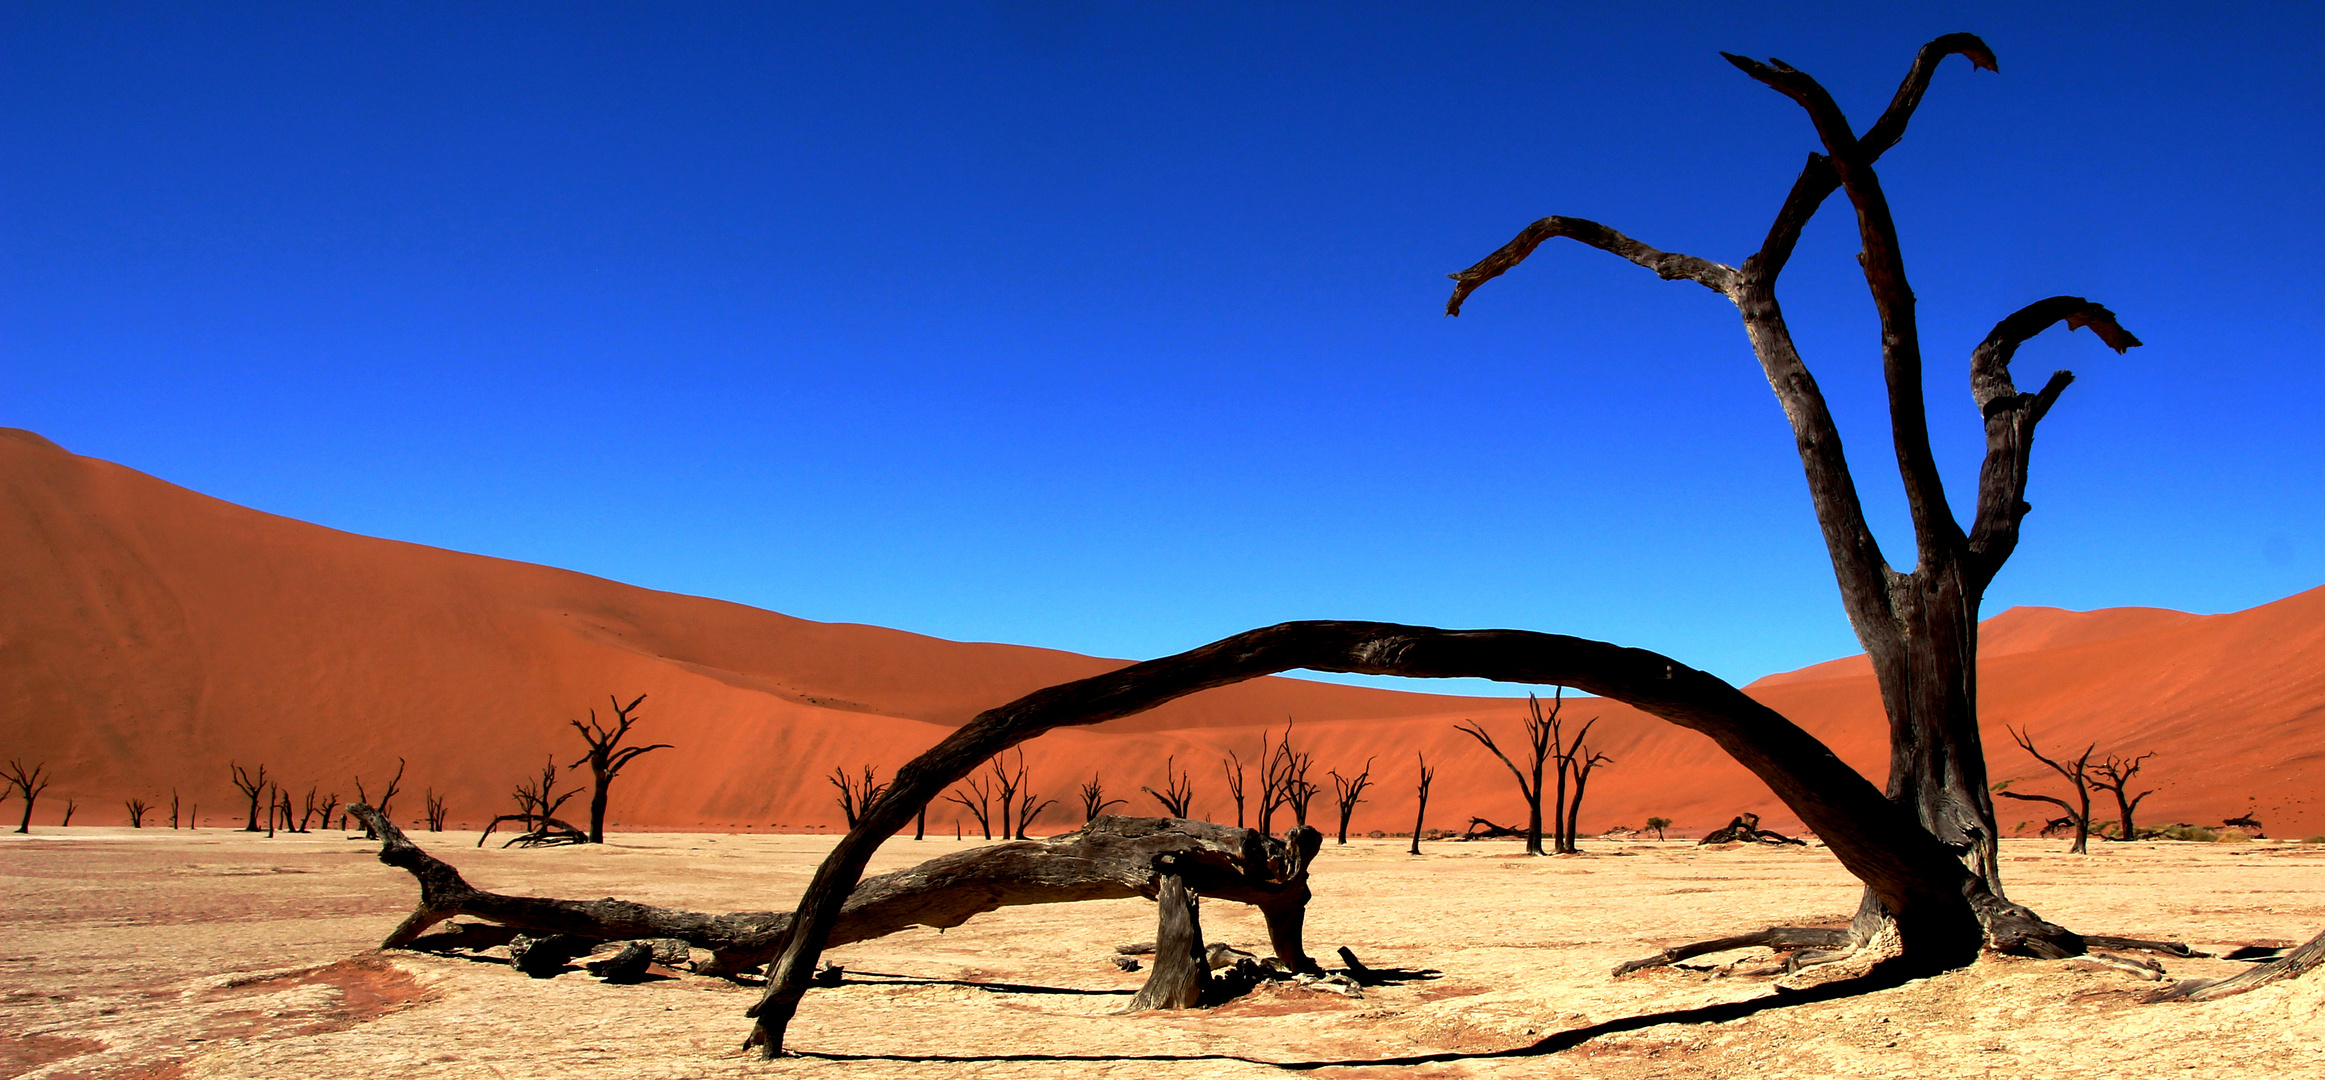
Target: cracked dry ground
(154,953)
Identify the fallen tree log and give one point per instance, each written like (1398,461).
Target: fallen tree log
(1110,858)
(1745,829)
(2289,966)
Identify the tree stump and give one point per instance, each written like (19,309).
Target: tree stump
(1181,966)
(546,957)
(626,966)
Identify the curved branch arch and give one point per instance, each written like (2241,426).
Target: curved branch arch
(1921,883)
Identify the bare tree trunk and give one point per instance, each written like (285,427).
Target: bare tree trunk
(1181,970)
(1421,811)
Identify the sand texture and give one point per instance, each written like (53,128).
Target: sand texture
(216,954)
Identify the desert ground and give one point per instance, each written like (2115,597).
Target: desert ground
(158,953)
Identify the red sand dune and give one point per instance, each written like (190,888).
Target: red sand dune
(151,635)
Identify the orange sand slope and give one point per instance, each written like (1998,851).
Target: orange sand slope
(151,635)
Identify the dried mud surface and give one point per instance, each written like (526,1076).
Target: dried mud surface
(162,954)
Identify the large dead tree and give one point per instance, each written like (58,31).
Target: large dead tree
(980,809)
(606,757)
(1926,849)
(1111,858)
(1541,745)
(2078,776)
(1919,627)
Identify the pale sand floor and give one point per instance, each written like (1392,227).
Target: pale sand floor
(130,954)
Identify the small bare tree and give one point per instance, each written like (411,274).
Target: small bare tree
(136,809)
(318,810)
(981,809)
(537,801)
(1007,782)
(1178,789)
(1029,807)
(1094,800)
(1421,812)
(435,811)
(1298,792)
(856,794)
(1579,762)
(385,797)
(2112,776)
(2078,775)
(1233,766)
(1347,791)
(70,805)
(605,759)
(250,785)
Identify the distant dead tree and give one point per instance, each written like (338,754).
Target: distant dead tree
(250,785)
(318,809)
(1178,789)
(385,797)
(1094,800)
(605,760)
(537,801)
(1658,824)
(69,806)
(136,809)
(856,793)
(2078,812)
(26,784)
(1233,767)
(1541,737)
(1421,812)
(980,809)
(1283,780)
(173,808)
(2112,776)
(1029,808)
(1347,791)
(1579,762)
(1298,792)
(435,811)
(1007,782)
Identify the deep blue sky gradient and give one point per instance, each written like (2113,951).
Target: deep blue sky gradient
(1117,328)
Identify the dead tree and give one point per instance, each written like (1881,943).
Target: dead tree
(250,786)
(385,797)
(1580,763)
(435,812)
(982,808)
(1111,858)
(1178,789)
(1233,767)
(136,809)
(68,818)
(2078,812)
(606,759)
(2112,776)
(538,801)
(1421,811)
(1926,851)
(1095,802)
(173,808)
(1347,791)
(1030,807)
(1275,777)
(317,809)
(855,794)
(1541,737)
(1298,792)
(1006,783)
(1919,627)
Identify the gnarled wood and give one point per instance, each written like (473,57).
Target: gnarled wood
(1181,966)
(1775,937)
(1908,871)
(2291,965)
(1111,858)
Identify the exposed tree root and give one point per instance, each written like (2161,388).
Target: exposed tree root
(2291,965)
(1110,858)
(1780,938)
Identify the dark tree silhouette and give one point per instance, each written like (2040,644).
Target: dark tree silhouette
(538,801)
(855,793)
(2078,812)
(1541,745)
(1275,777)
(1421,812)
(1926,851)
(1347,791)
(250,786)
(386,797)
(1006,784)
(2112,776)
(70,805)
(1580,761)
(1095,802)
(173,808)
(1919,627)
(980,809)
(1178,789)
(1233,767)
(1658,824)
(605,757)
(435,811)
(1029,808)
(136,809)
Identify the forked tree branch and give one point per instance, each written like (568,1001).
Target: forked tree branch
(1916,878)
(1669,266)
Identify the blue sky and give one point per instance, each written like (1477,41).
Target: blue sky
(1118,328)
